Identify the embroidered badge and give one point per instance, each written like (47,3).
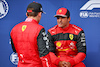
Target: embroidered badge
(71,36)
(24,27)
(58,44)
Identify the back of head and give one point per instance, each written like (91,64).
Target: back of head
(34,8)
(34,14)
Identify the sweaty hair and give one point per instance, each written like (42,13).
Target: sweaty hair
(34,14)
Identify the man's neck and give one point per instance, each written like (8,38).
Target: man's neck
(35,18)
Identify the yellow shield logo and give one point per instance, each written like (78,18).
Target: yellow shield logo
(71,36)
(58,44)
(24,27)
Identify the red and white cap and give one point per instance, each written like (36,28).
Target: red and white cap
(63,12)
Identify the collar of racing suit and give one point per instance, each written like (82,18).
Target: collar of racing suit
(31,20)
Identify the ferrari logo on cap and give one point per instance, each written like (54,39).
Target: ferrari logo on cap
(71,36)
(24,27)
(58,44)
(60,11)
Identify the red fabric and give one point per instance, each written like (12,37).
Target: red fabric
(29,10)
(24,36)
(50,60)
(46,61)
(63,50)
(61,11)
(72,62)
(79,57)
(54,59)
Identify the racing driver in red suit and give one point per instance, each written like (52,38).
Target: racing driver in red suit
(67,40)
(28,40)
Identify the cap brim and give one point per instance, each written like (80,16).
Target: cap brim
(43,12)
(60,15)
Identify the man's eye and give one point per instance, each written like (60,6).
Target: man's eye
(57,17)
(60,17)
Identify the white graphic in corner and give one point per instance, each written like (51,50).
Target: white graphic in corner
(14,58)
(3,8)
(91,5)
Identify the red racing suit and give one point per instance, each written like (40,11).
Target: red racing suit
(28,39)
(68,44)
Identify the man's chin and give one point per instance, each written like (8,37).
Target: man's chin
(60,26)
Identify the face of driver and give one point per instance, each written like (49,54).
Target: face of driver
(63,21)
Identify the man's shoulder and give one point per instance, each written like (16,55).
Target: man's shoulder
(53,28)
(75,27)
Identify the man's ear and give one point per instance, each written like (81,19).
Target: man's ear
(26,14)
(39,14)
(69,19)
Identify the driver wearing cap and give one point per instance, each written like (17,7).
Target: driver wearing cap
(67,40)
(27,38)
